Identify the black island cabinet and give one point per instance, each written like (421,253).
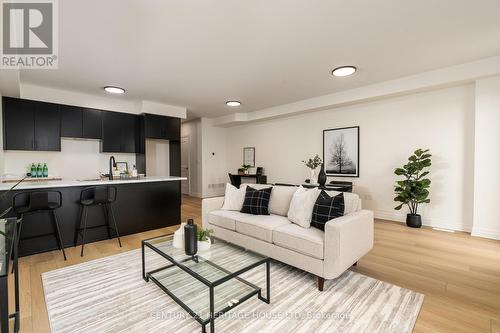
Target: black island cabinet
(139,206)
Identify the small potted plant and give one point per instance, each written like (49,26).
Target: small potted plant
(313,164)
(245,168)
(414,189)
(203,236)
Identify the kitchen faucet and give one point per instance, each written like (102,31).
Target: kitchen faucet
(112,164)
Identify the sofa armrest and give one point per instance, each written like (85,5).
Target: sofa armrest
(208,205)
(347,239)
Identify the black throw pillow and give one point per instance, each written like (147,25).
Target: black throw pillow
(256,201)
(327,208)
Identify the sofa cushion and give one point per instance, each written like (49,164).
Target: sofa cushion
(256,201)
(260,226)
(308,241)
(224,218)
(281,196)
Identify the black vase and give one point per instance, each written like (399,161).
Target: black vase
(322,176)
(190,241)
(413,220)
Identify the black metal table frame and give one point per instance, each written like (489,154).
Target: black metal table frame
(211,285)
(4,294)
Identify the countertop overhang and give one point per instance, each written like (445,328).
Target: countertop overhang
(71,183)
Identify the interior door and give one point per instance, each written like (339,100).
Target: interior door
(185,164)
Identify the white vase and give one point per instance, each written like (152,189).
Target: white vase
(204,245)
(178,241)
(314,176)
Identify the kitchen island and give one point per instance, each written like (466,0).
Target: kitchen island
(141,204)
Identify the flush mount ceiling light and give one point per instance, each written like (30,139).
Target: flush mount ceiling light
(344,71)
(114,90)
(233,103)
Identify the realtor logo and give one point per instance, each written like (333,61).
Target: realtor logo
(29,34)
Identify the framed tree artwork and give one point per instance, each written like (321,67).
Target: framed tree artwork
(341,151)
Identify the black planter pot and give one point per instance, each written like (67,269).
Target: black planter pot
(322,176)
(414,220)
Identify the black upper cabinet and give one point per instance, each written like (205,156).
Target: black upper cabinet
(92,124)
(129,132)
(71,121)
(31,125)
(47,127)
(18,124)
(119,132)
(78,122)
(162,127)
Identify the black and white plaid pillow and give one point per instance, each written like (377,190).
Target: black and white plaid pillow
(257,201)
(327,208)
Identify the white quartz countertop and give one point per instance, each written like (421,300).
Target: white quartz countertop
(69,183)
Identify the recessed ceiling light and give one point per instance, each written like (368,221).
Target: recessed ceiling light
(344,71)
(114,90)
(233,103)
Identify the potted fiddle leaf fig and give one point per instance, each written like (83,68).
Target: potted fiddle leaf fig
(413,190)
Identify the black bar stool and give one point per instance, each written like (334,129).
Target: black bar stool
(102,196)
(38,201)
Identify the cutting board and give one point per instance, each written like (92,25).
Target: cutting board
(12,180)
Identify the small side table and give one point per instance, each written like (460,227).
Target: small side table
(7,248)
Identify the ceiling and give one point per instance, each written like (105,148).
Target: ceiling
(198,54)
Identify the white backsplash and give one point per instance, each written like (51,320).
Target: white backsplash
(78,159)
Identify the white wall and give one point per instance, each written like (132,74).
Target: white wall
(390,130)
(487,159)
(214,171)
(78,159)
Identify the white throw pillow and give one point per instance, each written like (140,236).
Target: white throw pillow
(234,197)
(281,196)
(302,205)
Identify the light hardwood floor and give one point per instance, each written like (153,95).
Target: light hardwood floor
(459,274)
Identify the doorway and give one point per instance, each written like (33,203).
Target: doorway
(185,184)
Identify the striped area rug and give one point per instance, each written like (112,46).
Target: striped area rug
(109,295)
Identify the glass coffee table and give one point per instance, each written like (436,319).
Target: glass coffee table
(207,284)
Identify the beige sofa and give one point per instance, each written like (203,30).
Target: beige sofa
(325,254)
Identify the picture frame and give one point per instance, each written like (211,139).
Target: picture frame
(341,151)
(122,167)
(249,156)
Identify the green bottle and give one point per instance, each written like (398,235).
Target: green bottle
(45,170)
(33,170)
(39,171)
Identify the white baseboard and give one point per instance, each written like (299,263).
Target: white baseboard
(427,221)
(486,233)
(195,194)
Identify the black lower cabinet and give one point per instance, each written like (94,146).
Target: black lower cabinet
(139,207)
